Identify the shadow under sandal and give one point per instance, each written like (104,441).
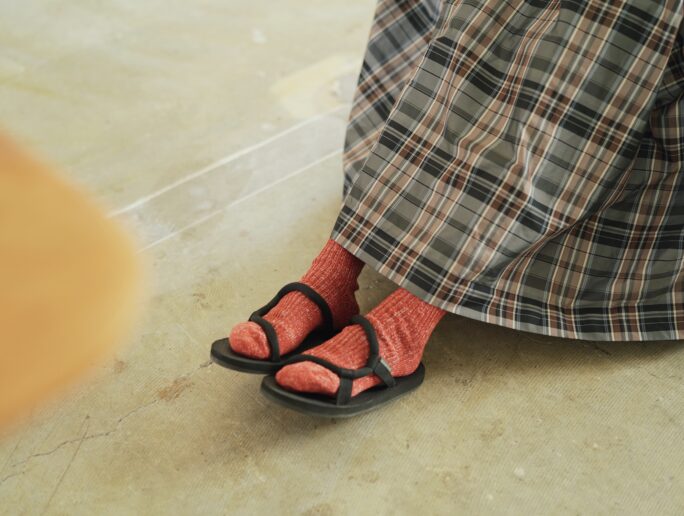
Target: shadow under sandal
(223,355)
(344,405)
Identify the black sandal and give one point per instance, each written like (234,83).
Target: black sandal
(344,405)
(226,357)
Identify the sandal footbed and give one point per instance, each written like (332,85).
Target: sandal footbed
(324,406)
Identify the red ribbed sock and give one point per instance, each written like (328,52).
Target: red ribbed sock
(403,324)
(333,274)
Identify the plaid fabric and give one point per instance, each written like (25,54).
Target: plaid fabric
(398,39)
(520,162)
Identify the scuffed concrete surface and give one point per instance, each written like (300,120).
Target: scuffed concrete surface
(214,130)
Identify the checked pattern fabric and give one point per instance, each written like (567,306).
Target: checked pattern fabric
(520,162)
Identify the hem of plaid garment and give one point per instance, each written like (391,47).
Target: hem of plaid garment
(466,292)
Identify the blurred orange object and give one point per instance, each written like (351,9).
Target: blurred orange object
(69,282)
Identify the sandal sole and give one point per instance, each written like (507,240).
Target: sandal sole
(324,406)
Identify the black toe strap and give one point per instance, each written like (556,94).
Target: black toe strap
(383,371)
(375,364)
(344,391)
(271,335)
(295,286)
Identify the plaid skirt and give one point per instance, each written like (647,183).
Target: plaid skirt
(520,162)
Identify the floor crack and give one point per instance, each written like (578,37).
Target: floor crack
(97,435)
(86,423)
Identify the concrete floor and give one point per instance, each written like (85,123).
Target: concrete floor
(214,129)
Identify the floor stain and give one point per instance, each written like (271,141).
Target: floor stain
(173,391)
(119,366)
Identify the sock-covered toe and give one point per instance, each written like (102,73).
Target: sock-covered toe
(249,339)
(308,377)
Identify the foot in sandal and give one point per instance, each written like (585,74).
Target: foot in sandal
(302,314)
(370,362)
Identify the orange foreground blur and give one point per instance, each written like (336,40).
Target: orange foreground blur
(69,282)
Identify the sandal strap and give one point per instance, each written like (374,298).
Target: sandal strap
(295,286)
(374,365)
(271,335)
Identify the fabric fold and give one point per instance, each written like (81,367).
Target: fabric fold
(528,173)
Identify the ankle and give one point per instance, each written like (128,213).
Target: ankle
(334,275)
(334,261)
(401,307)
(404,324)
